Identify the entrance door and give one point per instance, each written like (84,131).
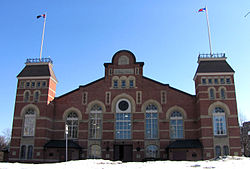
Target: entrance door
(123,153)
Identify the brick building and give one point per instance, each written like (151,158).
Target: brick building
(125,115)
(245,138)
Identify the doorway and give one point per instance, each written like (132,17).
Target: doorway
(123,153)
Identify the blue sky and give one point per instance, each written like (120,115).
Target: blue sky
(81,35)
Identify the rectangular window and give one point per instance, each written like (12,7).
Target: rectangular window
(110,71)
(44,84)
(228,80)
(219,125)
(108,98)
(137,71)
(38,84)
(163,97)
(29,125)
(27,84)
(123,126)
(33,84)
(210,81)
(138,97)
(216,81)
(204,81)
(85,98)
(222,81)
(21,85)
(151,126)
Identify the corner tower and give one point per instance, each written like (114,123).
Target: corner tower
(216,106)
(33,112)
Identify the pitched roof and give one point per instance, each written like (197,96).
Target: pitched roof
(36,70)
(214,66)
(61,144)
(192,143)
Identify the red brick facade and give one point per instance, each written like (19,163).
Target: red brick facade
(124,116)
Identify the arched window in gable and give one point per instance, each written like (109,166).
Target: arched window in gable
(151,122)
(72,122)
(95,122)
(176,125)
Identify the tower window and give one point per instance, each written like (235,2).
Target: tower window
(21,84)
(210,81)
(44,84)
(216,81)
(222,81)
(204,81)
(27,84)
(38,84)
(33,84)
(228,81)
(211,94)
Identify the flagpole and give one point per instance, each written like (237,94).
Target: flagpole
(43,36)
(209,35)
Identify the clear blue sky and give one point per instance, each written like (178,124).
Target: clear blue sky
(81,35)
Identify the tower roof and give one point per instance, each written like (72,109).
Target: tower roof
(37,69)
(213,64)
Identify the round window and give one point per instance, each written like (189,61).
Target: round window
(123,105)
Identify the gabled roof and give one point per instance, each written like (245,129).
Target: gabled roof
(214,66)
(36,70)
(61,144)
(192,143)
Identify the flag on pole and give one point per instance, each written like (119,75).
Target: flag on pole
(39,16)
(202,10)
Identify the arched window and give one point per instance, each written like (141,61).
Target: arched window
(222,93)
(219,122)
(23,152)
(36,96)
(151,151)
(123,120)
(29,122)
(217,151)
(30,152)
(72,122)
(225,150)
(95,122)
(211,94)
(26,96)
(151,122)
(176,125)
(95,151)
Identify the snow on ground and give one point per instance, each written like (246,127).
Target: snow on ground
(225,163)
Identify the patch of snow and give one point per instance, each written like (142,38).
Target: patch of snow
(222,162)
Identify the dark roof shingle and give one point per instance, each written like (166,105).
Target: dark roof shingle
(37,70)
(214,67)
